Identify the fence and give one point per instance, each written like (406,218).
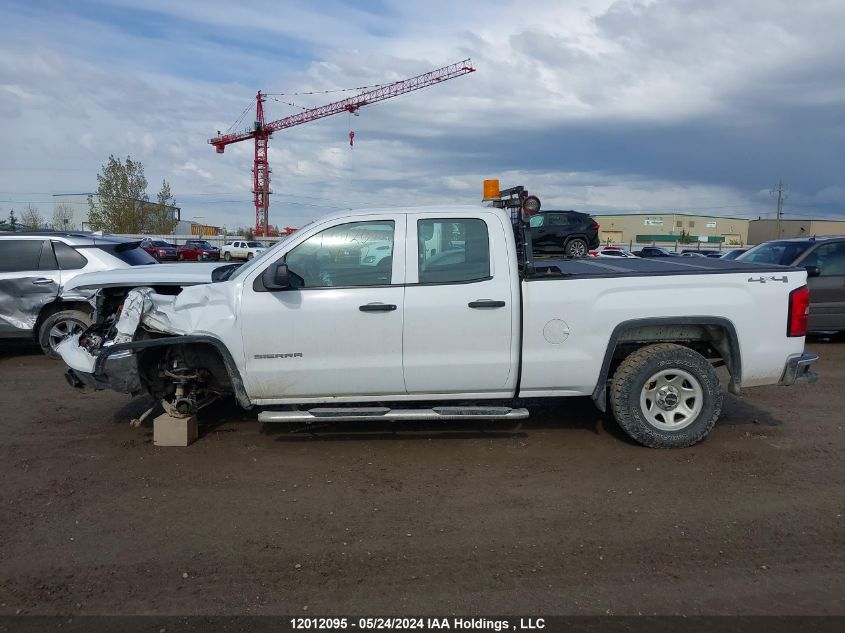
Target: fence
(214,240)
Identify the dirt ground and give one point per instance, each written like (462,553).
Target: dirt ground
(562,515)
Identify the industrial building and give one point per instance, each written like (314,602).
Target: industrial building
(765,230)
(647,228)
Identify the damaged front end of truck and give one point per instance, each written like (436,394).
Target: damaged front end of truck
(158,340)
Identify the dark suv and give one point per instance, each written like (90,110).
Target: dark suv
(824,259)
(569,233)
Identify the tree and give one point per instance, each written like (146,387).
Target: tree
(159,217)
(31,218)
(11,224)
(247,233)
(63,217)
(122,199)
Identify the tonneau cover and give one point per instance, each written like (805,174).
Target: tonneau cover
(647,266)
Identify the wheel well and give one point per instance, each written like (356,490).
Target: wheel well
(59,306)
(205,354)
(576,236)
(712,337)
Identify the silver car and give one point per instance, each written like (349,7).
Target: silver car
(34,267)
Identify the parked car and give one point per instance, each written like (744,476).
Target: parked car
(611,251)
(568,233)
(824,259)
(704,252)
(241,249)
(655,251)
(36,266)
(374,253)
(303,325)
(161,250)
(733,253)
(198,250)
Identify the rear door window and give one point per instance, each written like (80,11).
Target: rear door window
(20,255)
(562,219)
(453,250)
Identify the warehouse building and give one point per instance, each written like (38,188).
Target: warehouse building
(765,230)
(667,228)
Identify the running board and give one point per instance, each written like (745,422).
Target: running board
(376,414)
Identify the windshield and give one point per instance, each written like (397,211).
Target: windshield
(733,254)
(128,253)
(265,254)
(255,244)
(162,244)
(782,253)
(200,244)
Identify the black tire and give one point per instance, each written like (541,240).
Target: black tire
(637,405)
(227,256)
(249,256)
(181,257)
(70,321)
(576,247)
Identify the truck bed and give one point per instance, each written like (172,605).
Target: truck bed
(545,268)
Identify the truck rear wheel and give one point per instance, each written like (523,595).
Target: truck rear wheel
(227,256)
(666,396)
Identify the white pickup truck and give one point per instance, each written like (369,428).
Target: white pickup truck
(457,315)
(241,249)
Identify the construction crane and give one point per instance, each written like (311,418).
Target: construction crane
(262,131)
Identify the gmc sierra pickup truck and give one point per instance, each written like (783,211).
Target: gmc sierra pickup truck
(456,315)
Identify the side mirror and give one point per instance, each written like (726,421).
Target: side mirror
(813,271)
(276,277)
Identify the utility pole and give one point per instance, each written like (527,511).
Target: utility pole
(780,190)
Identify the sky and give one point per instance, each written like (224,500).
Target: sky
(601,106)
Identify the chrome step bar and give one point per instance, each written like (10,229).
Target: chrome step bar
(377,414)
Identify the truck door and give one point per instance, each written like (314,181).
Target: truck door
(827,291)
(338,332)
(461,306)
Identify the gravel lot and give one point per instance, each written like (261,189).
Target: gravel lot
(562,515)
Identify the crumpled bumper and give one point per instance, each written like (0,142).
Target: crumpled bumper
(117,371)
(797,370)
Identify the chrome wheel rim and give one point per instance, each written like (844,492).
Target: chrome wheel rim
(577,249)
(62,329)
(671,399)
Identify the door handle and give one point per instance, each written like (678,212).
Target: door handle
(377,307)
(42,281)
(486,303)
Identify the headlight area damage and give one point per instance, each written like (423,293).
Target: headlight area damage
(144,340)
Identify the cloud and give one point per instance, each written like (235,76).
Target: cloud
(595,104)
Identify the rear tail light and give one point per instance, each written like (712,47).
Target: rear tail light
(799,312)
(596,226)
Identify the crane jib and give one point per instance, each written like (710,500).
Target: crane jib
(261,131)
